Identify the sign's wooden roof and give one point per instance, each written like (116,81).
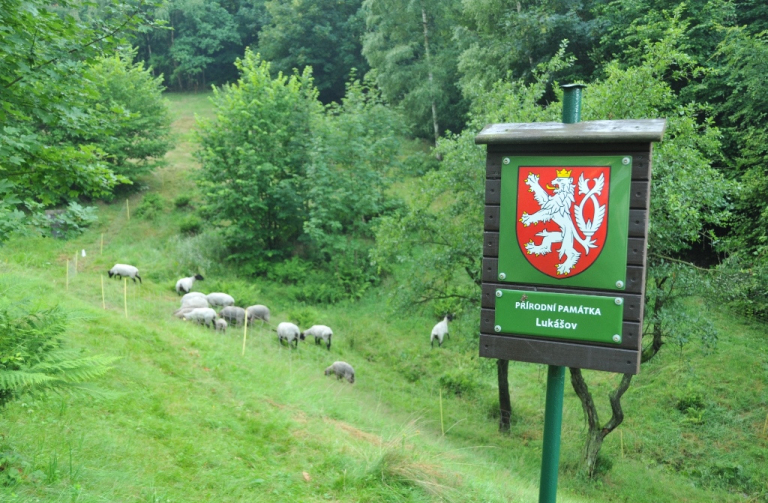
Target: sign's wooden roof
(625,131)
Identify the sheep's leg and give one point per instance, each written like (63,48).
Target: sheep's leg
(137,277)
(329,343)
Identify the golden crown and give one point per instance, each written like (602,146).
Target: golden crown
(563,173)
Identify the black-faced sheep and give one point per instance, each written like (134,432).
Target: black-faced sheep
(440,331)
(342,370)
(128,271)
(290,333)
(185,284)
(320,333)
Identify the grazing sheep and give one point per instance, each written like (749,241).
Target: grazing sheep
(257,312)
(185,284)
(179,313)
(320,333)
(233,314)
(128,271)
(220,299)
(440,331)
(221,324)
(194,301)
(290,333)
(202,315)
(342,369)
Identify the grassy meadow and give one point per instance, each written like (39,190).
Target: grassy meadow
(189,415)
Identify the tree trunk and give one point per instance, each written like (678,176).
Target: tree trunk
(595,432)
(431,79)
(505,404)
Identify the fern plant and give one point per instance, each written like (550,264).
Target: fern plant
(33,360)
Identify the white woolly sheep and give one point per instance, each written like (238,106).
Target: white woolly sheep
(221,324)
(320,333)
(196,301)
(202,315)
(220,299)
(185,284)
(257,312)
(233,314)
(342,370)
(440,331)
(289,332)
(128,271)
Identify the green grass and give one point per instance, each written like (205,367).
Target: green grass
(187,417)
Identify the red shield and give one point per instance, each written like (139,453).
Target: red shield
(562,216)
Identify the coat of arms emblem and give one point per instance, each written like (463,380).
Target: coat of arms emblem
(562,224)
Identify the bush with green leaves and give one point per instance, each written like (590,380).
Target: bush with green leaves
(137,131)
(74,220)
(254,156)
(151,206)
(33,358)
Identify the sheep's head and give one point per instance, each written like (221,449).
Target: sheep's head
(110,273)
(328,371)
(198,277)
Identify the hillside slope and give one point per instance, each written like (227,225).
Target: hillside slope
(192,415)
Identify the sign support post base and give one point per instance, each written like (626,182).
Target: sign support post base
(553,420)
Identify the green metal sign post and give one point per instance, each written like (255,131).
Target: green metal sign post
(553,411)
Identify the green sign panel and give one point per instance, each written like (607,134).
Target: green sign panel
(565,220)
(563,316)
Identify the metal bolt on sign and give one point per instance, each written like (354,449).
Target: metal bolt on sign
(619,284)
(616,338)
(619,301)
(497,328)
(502,275)
(499,293)
(506,160)
(625,161)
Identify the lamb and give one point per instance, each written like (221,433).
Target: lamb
(201,315)
(220,299)
(233,314)
(194,301)
(290,333)
(320,333)
(128,271)
(221,325)
(342,369)
(257,312)
(440,331)
(185,284)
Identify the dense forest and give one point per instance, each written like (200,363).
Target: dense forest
(322,108)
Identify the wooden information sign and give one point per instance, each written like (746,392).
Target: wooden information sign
(566,227)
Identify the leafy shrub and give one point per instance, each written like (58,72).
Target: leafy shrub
(151,206)
(202,252)
(304,316)
(459,382)
(291,271)
(72,221)
(182,201)
(129,100)
(191,225)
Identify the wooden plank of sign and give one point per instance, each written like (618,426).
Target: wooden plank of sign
(492,214)
(564,354)
(639,196)
(638,223)
(493,192)
(633,303)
